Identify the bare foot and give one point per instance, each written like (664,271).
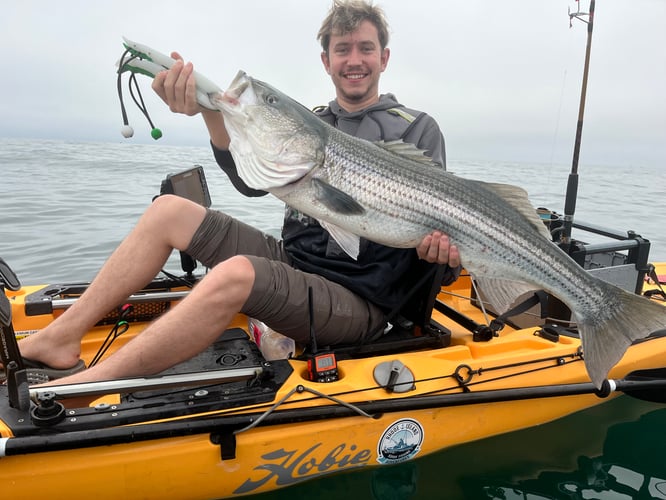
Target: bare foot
(51,349)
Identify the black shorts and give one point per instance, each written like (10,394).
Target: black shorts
(279,296)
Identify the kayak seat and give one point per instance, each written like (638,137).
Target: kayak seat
(398,340)
(410,326)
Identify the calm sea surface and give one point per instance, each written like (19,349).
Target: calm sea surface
(65,206)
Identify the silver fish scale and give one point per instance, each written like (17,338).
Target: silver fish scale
(406,197)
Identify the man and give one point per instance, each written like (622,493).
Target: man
(249,271)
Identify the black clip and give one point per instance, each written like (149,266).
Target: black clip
(548,332)
(227,442)
(483,333)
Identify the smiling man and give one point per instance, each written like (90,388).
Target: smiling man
(252,272)
(355,61)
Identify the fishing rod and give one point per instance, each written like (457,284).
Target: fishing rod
(572,183)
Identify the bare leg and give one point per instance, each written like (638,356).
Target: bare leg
(184,331)
(170,222)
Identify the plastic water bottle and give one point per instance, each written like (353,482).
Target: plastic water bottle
(273,345)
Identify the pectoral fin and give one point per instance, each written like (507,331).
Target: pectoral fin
(349,242)
(336,200)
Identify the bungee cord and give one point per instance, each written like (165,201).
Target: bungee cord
(135,92)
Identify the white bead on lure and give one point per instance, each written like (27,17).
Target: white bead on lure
(149,62)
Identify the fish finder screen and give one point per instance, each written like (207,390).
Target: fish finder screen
(190,184)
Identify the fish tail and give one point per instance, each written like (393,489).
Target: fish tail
(629,317)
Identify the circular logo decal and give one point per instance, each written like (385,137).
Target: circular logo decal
(400,441)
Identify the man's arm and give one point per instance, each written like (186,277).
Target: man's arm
(177,88)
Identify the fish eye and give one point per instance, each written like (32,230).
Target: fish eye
(271,99)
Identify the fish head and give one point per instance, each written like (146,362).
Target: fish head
(275,141)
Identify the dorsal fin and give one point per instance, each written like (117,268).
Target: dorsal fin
(406,150)
(517,197)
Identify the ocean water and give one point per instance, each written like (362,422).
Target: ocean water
(64,206)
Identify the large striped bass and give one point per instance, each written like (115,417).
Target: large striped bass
(391,194)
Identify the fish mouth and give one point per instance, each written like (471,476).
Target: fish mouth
(238,85)
(230,98)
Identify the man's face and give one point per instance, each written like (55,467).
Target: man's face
(355,61)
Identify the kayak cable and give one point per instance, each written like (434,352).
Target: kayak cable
(300,389)
(118,329)
(463,376)
(181,279)
(481,303)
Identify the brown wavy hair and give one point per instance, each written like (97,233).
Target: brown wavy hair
(345,16)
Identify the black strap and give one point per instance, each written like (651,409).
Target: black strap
(538,298)
(652,273)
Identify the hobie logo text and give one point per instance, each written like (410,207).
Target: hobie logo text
(291,466)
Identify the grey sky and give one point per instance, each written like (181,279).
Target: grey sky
(502,78)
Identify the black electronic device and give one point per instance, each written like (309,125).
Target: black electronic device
(190,184)
(322,366)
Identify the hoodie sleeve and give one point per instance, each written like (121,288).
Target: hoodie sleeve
(228,166)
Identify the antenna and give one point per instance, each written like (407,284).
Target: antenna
(322,367)
(313,338)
